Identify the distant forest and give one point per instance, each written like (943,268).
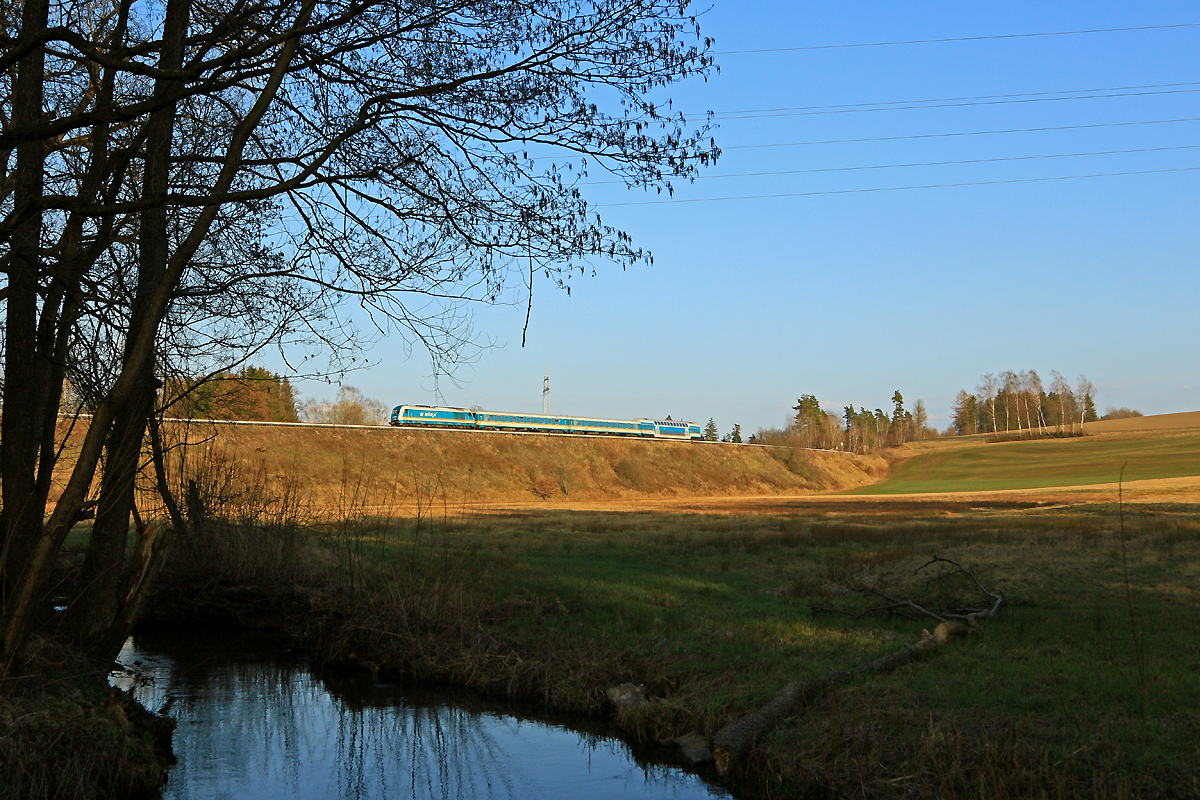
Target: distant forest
(1019,401)
(1008,403)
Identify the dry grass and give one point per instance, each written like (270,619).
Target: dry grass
(410,469)
(713,605)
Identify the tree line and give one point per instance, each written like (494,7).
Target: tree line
(857,430)
(255,394)
(1020,402)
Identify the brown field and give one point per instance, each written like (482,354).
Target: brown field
(1158,422)
(1169,490)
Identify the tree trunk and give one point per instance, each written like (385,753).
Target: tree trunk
(98,603)
(20,518)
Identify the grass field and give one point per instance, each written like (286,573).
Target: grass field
(1085,684)
(1074,678)
(1041,463)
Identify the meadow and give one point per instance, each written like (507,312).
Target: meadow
(415,561)
(947,466)
(1085,682)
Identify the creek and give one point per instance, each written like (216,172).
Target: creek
(256,720)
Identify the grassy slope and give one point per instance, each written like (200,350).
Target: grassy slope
(1044,463)
(386,467)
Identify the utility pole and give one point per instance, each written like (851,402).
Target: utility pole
(546,393)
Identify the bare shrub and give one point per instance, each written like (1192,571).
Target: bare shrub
(244,536)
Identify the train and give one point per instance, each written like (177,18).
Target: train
(417,416)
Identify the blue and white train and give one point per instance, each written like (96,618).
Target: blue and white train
(443,417)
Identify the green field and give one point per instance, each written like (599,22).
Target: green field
(1085,684)
(1042,464)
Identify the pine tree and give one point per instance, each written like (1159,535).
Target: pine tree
(736,435)
(710,431)
(899,421)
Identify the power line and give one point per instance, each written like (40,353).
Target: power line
(909,137)
(889,103)
(957,39)
(999,159)
(963,133)
(919,104)
(898,188)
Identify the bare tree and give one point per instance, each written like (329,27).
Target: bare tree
(1037,392)
(396,154)
(352,407)
(988,387)
(1085,398)
(920,420)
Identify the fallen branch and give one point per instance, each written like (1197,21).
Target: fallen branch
(971,616)
(734,741)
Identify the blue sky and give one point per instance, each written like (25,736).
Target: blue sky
(810,285)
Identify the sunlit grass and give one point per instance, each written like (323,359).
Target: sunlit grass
(714,613)
(1042,463)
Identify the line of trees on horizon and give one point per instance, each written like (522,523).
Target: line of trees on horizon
(857,430)
(1015,402)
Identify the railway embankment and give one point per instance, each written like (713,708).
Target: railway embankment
(448,470)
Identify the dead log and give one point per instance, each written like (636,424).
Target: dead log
(734,741)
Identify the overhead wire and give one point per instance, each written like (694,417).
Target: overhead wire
(964,133)
(915,136)
(920,104)
(945,40)
(984,97)
(999,159)
(896,188)
(953,102)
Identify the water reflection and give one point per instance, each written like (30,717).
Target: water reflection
(255,721)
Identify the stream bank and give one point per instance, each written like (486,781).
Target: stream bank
(257,718)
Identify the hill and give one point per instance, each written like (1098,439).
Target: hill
(977,465)
(375,467)
(1156,423)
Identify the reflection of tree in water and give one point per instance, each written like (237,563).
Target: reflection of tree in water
(421,753)
(255,725)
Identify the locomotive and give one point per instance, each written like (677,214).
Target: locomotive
(417,416)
